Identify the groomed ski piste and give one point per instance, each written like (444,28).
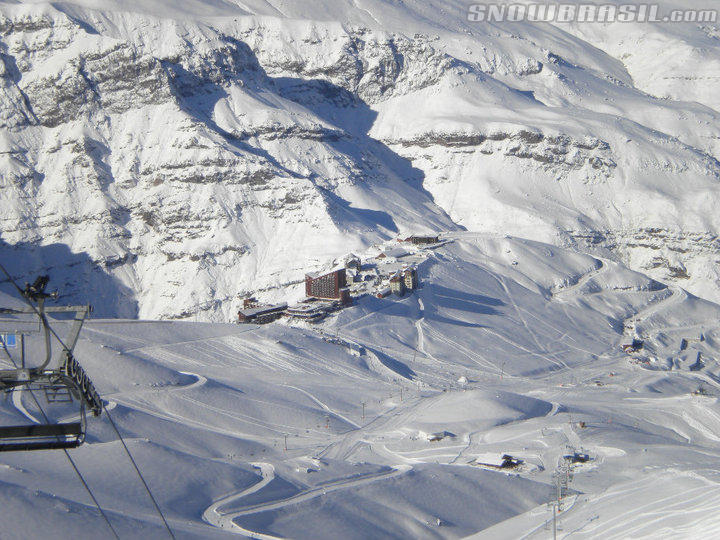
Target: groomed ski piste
(376,422)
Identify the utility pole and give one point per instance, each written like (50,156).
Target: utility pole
(363,413)
(286,442)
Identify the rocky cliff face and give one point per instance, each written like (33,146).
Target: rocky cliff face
(172,164)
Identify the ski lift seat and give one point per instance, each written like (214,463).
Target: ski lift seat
(62,381)
(41,436)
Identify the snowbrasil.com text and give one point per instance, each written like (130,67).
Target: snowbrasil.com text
(587,13)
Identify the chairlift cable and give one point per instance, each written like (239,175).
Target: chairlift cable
(112,422)
(140,475)
(67,454)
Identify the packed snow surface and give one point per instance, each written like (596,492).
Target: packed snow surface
(395,412)
(164,160)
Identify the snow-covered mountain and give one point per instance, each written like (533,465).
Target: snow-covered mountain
(163,159)
(172,157)
(389,418)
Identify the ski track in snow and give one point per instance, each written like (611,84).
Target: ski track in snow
(324,407)
(543,352)
(371,357)
(562,292)
(691,422)
(384,422)
(473,356)
(618,526)
(224,521)
(676,296)
(418,327)
(148,347)
(572,436)
(227,520)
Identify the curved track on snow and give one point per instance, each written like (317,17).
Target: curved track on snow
(561,292)
(227,520)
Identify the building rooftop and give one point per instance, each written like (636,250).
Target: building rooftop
(254,312)
(307,308)
(395,252)
(321,273)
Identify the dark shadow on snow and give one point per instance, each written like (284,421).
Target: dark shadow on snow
(197,94)
(77,278)
(395,365)
(464,301)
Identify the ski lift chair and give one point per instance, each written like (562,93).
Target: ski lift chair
(48,436)
(66,383)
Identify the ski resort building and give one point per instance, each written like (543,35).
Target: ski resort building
(261,314)
(327,285)
(307,312)
(420,240)
(410,278)
(352,261)
(403,280)
(250,302)
(393,253)
(397,284)
(383,293)
(345,298)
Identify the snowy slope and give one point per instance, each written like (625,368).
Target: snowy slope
(506,347)
(163,159)
(177,156)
